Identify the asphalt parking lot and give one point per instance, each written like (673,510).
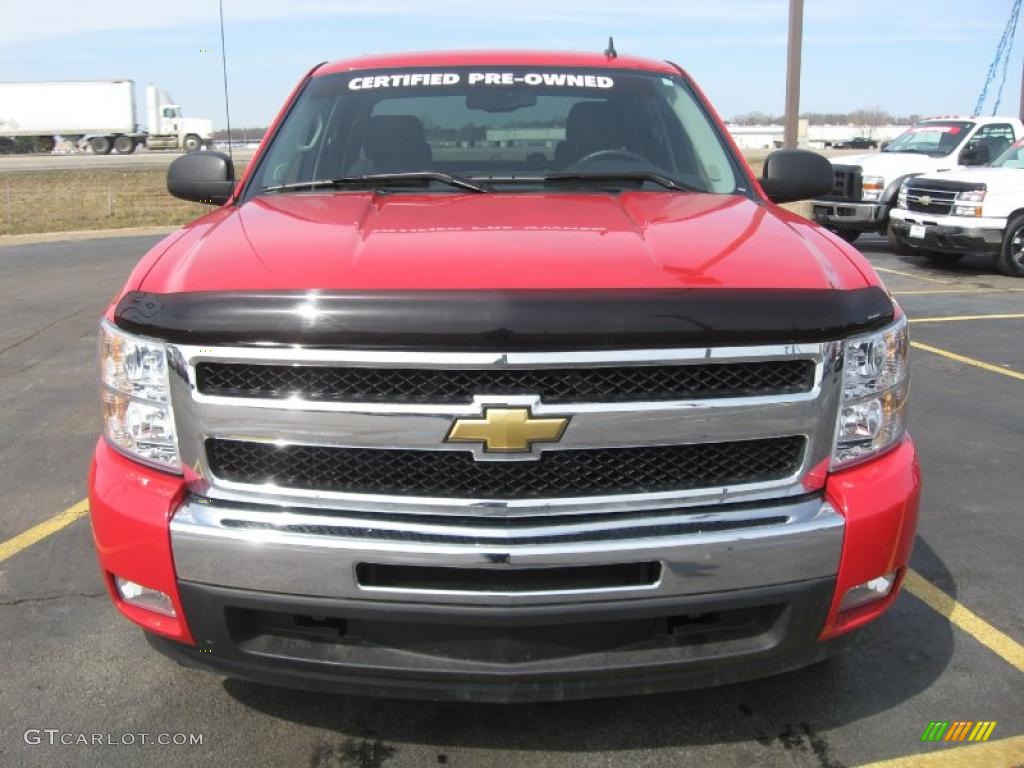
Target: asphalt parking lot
(950,649)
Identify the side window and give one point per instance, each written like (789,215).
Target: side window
(1014,158)
(717,169)
(1004,130)
(988,143)
(293,153)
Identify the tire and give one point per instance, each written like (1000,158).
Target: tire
(100,145)
(192,143)
(849,235)
(898,246)
(124,145)
(1010,260)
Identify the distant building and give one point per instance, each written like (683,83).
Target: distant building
(757,136)
(812,136)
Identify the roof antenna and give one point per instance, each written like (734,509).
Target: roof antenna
(224,68)
(610,51)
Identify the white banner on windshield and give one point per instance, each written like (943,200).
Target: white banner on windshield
(434,79)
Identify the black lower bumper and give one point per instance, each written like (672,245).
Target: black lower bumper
(504,654)
(946,239)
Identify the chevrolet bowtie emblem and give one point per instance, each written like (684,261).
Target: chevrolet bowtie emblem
(507,430)
(925,200)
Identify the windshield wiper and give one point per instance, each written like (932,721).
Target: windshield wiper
(379,180)
(652,176)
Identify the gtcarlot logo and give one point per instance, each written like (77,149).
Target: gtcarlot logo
(958,730)
(57,737)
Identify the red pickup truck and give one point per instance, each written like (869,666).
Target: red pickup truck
(499,376)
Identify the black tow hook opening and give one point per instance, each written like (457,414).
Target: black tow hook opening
(556,579)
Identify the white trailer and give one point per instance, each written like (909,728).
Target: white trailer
(99,113)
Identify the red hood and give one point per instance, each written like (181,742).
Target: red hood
(359,241)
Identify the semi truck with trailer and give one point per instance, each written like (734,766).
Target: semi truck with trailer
(423,410)
(98,114)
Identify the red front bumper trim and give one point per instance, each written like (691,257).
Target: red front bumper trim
(131,508)
(879,500)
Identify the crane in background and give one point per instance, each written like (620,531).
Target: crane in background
(1002,57)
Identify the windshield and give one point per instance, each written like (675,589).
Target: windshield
(507,126)
(931,138)
(1013,157)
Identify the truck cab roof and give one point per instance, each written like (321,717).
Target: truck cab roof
(496,58)
(980,120)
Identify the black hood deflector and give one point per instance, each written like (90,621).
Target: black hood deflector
(507,321)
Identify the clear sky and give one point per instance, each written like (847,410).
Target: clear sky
(906,56)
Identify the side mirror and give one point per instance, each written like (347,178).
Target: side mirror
(974,153)
(796,174)
(202,177)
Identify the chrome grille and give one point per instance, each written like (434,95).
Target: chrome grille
(925,198)
(556,385)
(556,474)
(365,431)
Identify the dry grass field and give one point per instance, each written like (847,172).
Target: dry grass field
(62,201)
(59,201)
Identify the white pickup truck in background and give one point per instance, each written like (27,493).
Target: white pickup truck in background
(866,186)
(975,210)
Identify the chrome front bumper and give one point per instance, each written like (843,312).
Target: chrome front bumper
(311,554)
(848,215)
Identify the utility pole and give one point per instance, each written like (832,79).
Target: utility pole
(796,33)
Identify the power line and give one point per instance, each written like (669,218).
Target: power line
(1003,48)
(224,67)
(1012,28)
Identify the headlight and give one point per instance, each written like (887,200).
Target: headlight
(974,198)
(901,198)
(872,413)
(137,416)
(872,187)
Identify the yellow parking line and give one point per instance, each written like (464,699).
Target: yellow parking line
(39,532)
(956,318)
(1005,753)
(957,290)
(999,642)
(969,360)
(913,275)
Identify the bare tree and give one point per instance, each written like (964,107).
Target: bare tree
(867,121)
(826,118)
(757,118)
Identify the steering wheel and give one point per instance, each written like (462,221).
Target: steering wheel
(612,154)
